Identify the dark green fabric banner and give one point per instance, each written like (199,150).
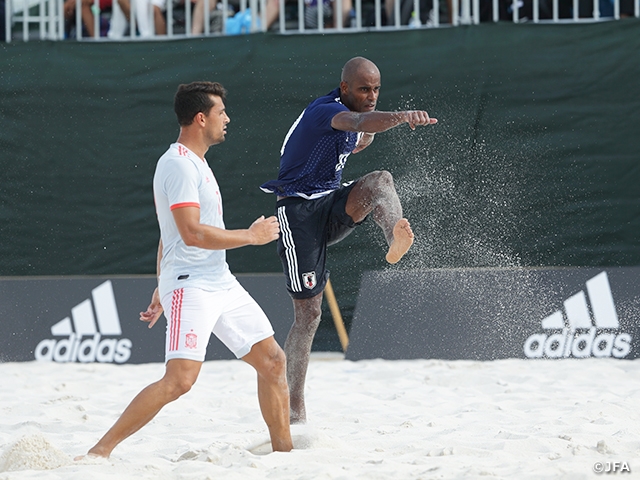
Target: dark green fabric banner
(534,160)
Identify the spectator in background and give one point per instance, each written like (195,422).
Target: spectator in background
(86,12)
(311,12)
(330,11)
(426,13)
(148,15)
(144,26)
(197,22)
(273,8)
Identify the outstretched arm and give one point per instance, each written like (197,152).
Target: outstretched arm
(196,234)
(374,122)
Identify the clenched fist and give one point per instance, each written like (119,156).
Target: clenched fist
(264,230)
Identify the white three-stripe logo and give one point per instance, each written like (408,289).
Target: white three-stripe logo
(577,310)
(84,321)
(290,250)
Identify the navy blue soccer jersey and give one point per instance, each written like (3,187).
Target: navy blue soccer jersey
(313,153)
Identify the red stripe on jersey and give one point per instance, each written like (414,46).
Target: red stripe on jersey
(176,313)
(183,151)
(184,204)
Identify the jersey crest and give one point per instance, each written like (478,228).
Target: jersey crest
(309,280)
(191,340)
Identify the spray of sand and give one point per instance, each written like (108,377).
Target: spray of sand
(463,195)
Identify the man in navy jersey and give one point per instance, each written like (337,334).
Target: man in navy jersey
(315,210)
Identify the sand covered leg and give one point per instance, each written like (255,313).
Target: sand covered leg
(297,348)
(375,194)
(402,241)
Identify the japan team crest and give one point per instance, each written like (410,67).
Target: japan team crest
(309,280)
(191,340)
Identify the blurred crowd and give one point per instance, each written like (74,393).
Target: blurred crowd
(113,18)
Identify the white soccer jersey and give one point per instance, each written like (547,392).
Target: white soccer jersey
(184,179)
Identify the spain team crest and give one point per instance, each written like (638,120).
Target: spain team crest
(191,340)
(309,280)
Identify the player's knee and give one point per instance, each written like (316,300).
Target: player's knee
(308,313)
(278,362)
(384,178)
(178,387)
(315,314)
(183,387)
(275,366)
(378,182)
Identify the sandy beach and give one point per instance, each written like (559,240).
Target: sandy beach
(373,419)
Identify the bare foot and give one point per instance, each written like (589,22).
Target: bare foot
(93,453)
(402,241)
(88,456)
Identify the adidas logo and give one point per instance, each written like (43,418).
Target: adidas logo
(76,347)
(586,332)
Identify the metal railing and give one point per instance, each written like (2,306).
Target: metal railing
(45,19)
(43,16)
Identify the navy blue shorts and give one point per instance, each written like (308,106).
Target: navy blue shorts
(307,227)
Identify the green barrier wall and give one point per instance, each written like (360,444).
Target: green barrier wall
(534,161)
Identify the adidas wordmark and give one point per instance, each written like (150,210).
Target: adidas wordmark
(581,336)
(83,338)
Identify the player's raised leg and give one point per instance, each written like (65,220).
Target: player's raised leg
(307,312)
(273,393)
(375,193)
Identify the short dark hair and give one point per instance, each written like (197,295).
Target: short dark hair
(193,98)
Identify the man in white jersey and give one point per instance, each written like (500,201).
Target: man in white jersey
(196,290)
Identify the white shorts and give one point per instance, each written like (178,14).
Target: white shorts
(193,314)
